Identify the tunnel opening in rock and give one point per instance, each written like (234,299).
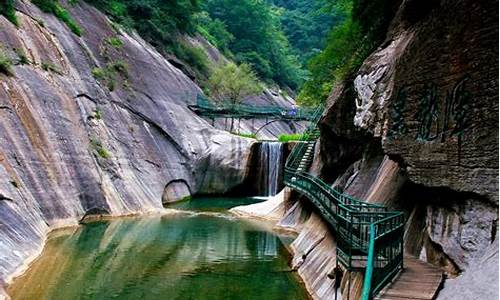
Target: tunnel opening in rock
(94,213)
(176,190)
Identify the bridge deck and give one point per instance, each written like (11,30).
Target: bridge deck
(418,280)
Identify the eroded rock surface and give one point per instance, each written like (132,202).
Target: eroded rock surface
(420,133)
(75,142)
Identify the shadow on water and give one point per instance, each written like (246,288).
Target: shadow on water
(163,257)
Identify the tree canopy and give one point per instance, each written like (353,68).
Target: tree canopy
(348,44)
(257,39)
(232,82)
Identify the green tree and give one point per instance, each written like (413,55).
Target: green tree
(258,39)
(364,26)
(233,83)
(160,22)
(7,10)
(306,24)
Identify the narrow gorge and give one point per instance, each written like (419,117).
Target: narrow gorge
(130,168)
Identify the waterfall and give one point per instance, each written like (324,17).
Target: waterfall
(271,161)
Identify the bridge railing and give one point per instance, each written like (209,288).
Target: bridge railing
(227,108)
(369,236)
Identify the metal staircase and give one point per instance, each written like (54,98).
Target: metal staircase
(369,236)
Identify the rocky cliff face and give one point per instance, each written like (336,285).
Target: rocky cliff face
(417,129)
(91,127)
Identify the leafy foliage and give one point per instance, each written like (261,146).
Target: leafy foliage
(22,58)
(215,31)
(159,22)
(97,146)
(193,56)
(234,82)
(290,137)
(109,74)
(258,39)
(348,45)
(114,42)
(53,7)
(49,67)
(8,11)
(306,24)
(5,65)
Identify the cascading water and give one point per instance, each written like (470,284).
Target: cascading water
(271,161)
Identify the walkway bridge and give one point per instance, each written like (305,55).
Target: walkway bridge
(226,109)
(369,236)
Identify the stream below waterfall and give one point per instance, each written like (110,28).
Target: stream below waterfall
(203,252)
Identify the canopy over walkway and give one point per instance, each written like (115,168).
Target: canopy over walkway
(226,109)
(369,236)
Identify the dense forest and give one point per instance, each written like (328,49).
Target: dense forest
(306,46)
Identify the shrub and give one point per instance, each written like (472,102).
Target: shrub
(119,66)
(9,12)
(5,65)
(23,60)
(109,74)
(98,113)
(53,7)
(290,137)
(98,73)
(114,42)
(106,76)
(49,67)
(193,56)
(99,148)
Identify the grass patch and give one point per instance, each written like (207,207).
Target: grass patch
(109,74)
(114,42)
(98,113)
(5,65)
(9,12)
(53,7)
(49,67)
(99,149)
(290,137)
(22,58)
(246,135)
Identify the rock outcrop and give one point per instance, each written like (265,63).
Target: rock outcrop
(420,133)
(90,128)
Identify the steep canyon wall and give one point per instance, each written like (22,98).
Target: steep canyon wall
(417,129)
(88,128)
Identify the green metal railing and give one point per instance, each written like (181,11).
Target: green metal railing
(369,236)
(226,109)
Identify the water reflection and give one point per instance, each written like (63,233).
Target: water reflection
(171,257)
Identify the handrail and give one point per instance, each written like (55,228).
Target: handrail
(369,236)
(210,108)
(367,284)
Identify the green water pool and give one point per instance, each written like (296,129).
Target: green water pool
(204,254)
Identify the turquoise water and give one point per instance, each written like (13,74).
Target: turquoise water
(198,255)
